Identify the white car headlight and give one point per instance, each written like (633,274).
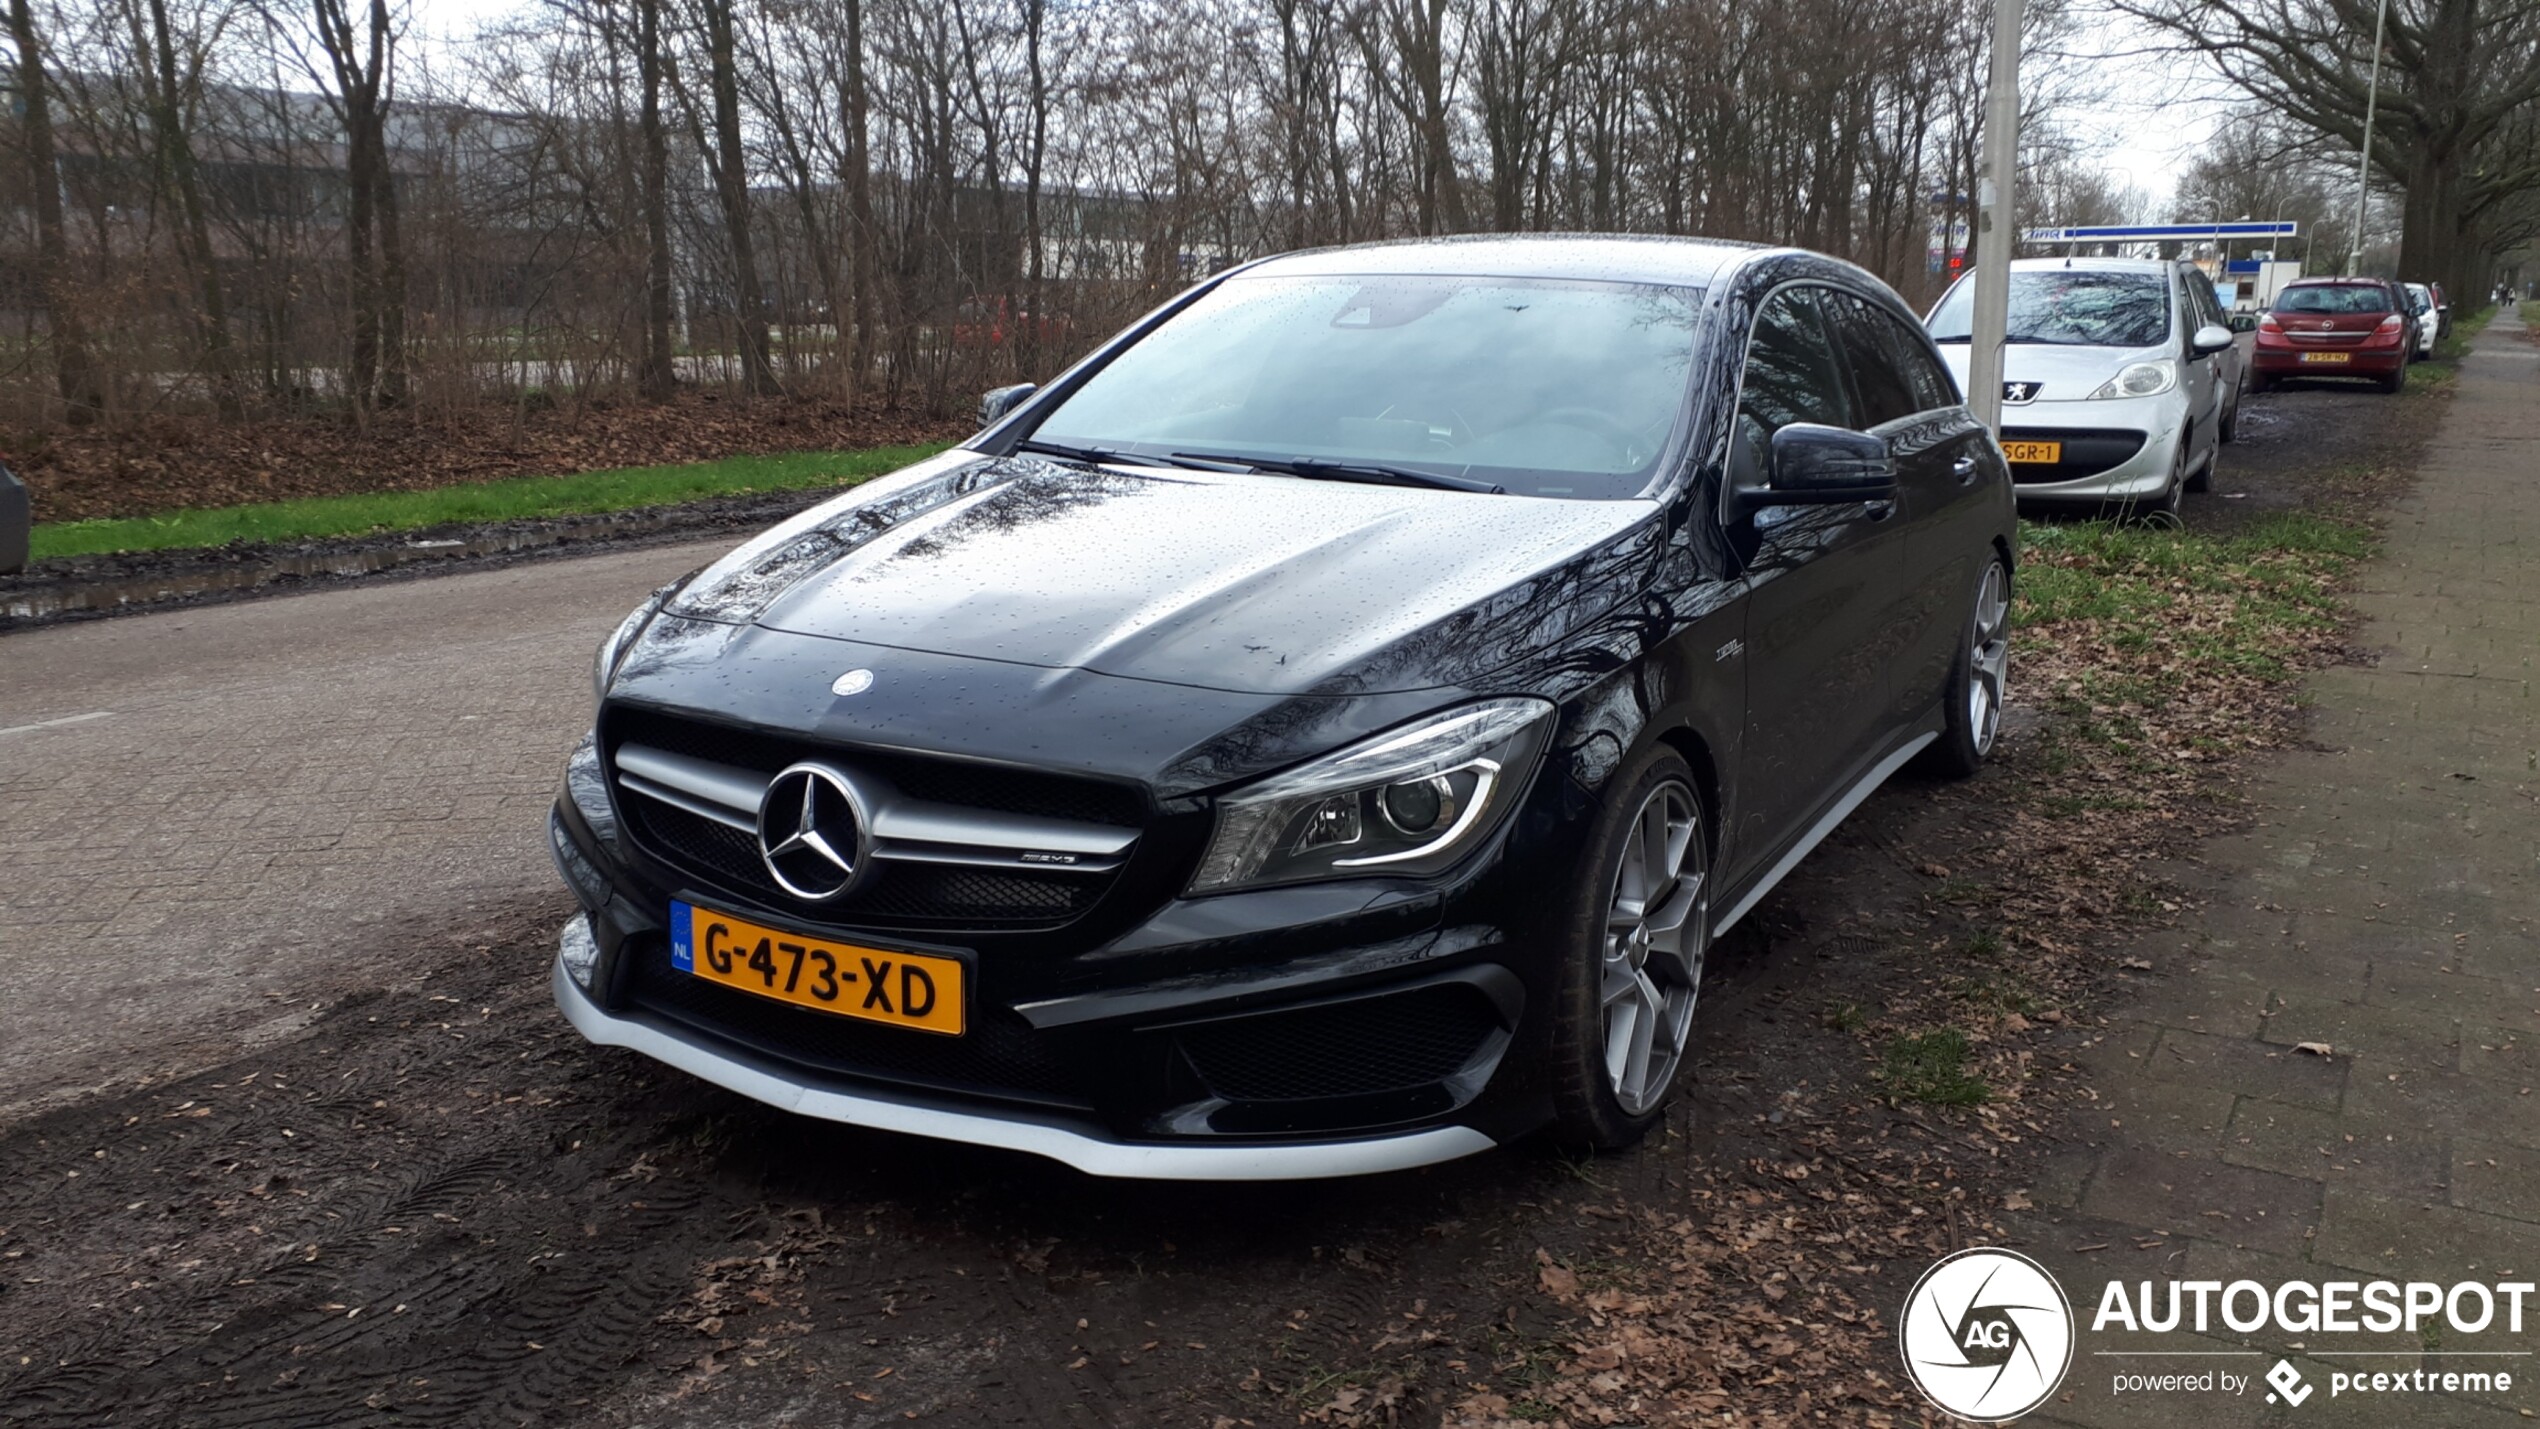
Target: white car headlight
(2141,379)
(1409,801)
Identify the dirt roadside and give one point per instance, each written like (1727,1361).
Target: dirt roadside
(438,1203)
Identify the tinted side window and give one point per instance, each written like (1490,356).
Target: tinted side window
(1791,371)
(1879,386)
(1924,383)
(2202,304)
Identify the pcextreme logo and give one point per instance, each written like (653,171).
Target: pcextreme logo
(1987,1335)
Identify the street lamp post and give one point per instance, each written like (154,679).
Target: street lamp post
(1997,218)
(2363,161)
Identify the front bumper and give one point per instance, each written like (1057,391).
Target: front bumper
(2116,449)
(1080,1144)
(1292,1032)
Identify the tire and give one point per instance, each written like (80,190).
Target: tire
(1631,966)
(2258,382)
(2397,380)
(2162,510)
(1979,680)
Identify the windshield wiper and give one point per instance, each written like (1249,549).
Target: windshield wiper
(1096,456)
(1091,456)
(1369,473)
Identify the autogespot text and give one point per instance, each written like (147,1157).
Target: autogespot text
(2302,1307)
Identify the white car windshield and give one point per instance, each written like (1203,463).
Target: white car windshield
(2068,307)
(1539,387)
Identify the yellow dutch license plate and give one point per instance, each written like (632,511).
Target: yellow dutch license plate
(2047,452)
(904,989)
(2325,356)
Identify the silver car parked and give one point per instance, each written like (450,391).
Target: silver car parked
(2121,379)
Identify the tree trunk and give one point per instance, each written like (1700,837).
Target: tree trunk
(176,168)
(74,371)
(1035,14)
(656,376)
(391,293)
(866,246)
(749,300)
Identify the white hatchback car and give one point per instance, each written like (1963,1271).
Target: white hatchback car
(2121,378)
(2429,318)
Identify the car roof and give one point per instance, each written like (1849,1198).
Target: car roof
(1601,257)
(2330,280)
(2080,264)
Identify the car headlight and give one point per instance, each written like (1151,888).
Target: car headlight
(2141,379)
(1410,801)
(613,650)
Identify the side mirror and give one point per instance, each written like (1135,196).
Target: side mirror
(998,401)
(1814,465)
(2244,322)
(2212,337)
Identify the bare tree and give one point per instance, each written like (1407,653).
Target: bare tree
(2455,74)
(74,372)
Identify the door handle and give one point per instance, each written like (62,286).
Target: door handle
(1964,468)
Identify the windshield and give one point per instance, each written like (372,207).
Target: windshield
(1544,388)
(2334,298)
(2068,307)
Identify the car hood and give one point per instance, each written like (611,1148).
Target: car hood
(1238,582)
(2062,373)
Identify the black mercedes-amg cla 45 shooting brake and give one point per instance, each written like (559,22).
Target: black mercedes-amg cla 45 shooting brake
(1319,733)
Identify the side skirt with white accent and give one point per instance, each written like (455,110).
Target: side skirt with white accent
(1852,799)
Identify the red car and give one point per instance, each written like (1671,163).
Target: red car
(2335,327)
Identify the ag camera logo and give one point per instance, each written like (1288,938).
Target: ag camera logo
(1987,1335)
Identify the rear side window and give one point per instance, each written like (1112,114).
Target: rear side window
(1791,369)
(1879,389)
(1893,372)
(2334,298)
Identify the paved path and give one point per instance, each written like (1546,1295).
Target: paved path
(2386,905)
(207,817)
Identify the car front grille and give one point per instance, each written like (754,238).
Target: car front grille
(1370,1046)
(1033,792)
(914,895)
(1000,886)
(997,1055)
(2086,452)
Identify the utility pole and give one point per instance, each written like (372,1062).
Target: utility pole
(1997,219)
(2363,161)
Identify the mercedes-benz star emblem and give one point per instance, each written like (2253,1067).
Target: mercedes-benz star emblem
(812,832)
(854,682)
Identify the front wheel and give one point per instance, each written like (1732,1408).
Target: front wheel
(1631,958)
(1979,681)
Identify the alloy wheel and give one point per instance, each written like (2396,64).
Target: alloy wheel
(1989,658)
(1658,921)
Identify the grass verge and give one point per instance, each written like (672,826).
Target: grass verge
(514,499)
(1931,1067)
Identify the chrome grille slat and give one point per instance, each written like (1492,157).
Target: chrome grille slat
(702,808)
(904,829)
(717,785)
